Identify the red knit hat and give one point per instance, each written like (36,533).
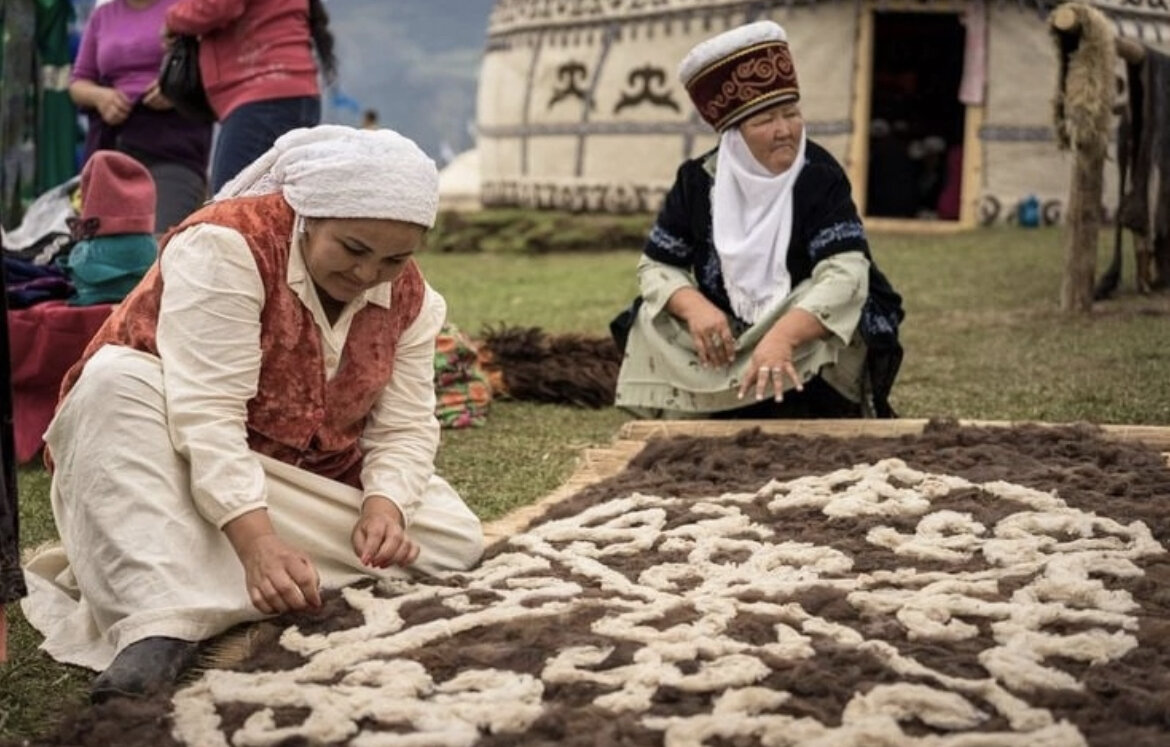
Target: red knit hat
(117,195)
(739,72)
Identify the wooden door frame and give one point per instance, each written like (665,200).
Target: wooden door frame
(858,158)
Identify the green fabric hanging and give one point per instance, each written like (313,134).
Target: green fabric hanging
(56,115)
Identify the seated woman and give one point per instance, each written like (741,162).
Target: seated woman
(757,279)
(257,420)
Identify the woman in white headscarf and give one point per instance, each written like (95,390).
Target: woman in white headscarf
(256,421)
(759,297)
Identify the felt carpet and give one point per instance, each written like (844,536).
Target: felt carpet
(963,587)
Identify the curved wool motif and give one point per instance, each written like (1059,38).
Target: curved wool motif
(651,601)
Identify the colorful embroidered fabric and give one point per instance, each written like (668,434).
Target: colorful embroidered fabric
(462,390)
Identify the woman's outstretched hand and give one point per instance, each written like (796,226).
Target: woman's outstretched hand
(280,578)
(710,331)
(379,537)
(771,363)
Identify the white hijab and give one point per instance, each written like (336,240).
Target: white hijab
(331,171)
(752,224)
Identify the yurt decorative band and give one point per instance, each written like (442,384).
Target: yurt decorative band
(739,84)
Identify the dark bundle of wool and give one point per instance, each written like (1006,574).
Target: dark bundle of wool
(526,363)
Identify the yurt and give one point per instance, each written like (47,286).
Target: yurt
(940,110)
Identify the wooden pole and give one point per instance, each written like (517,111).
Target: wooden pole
(1084,226)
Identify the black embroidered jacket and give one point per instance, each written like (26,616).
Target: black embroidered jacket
(825,223)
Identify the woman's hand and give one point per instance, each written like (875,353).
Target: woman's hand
(710,331)
(379,537)
(112,106)
(279,577)
(154,99)
(771,363)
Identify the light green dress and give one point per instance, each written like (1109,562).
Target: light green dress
(661,376)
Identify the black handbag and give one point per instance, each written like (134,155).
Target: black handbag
(180,81)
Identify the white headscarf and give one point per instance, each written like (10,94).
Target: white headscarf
(330,171)
(752,224)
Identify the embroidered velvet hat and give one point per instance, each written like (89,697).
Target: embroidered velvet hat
(739,72)
(117,196)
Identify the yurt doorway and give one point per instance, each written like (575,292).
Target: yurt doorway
(916,124)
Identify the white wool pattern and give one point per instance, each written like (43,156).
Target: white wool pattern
(718,47)
(1064,561)
(332,171)
(751,216)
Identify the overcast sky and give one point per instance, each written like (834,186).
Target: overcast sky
(415,61)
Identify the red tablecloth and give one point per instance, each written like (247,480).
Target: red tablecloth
(46,339)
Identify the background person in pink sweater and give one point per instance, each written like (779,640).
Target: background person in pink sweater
(115,82)
(259,69)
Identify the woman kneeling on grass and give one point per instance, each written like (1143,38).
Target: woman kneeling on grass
(757,278)
(256,420)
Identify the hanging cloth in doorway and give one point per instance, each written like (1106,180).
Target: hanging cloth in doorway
(974,55)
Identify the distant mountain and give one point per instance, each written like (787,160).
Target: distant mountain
(415,61)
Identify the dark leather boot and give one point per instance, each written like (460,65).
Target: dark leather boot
(143,667)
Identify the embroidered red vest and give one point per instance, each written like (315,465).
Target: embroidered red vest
(296,416)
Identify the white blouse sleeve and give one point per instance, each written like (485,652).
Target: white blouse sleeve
(209,343)
(402,433)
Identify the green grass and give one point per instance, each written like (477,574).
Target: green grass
(984,338)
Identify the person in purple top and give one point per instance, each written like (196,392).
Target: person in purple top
(115,80)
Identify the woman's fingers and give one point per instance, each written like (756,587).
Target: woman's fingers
(308,583)
(763,377)
(379,540)
(715,346)
(759,377)
(286,595)
(381,543)
(273,599)
(785,369)
(778,382)
(398,549)
(402,553)
(790,369)
(700,340)
(259,602)
(728,348)
(722,347)
(749,378)
(294,587)
(366,540)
